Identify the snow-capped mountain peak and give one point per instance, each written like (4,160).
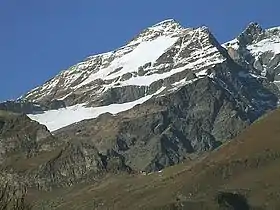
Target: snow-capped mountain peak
(163,56)
(157,53)
(165,28)
(170,93)
(260,49)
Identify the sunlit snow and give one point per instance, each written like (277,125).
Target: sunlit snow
(145,52)
(265,45)
(56,119)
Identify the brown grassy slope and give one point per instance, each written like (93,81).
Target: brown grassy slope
(249,165)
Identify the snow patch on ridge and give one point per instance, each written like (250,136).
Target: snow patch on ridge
(56,119)
(265,45)
(145,52)
(196,65)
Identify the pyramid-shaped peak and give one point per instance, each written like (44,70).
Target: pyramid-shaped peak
(205,29)
(253,28)
(167,27)
(166,22)
(252,32)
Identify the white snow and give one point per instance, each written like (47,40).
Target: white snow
(64,97)
(271,44)
(147,48)
(181,83)
(149,79)
(265,46)
(202,73)
(277,28)
(233,43)
(56,119)
(145,52)
(164,22)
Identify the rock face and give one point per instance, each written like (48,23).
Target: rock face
(77,161)
(20,135)
(168,95)
(258,49)
(25,107)
(31,154)
(173,126)
(127,74)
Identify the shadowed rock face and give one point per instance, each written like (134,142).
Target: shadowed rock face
(26,107)
(20,107)
(43,161)
(172,127)
(232,201)
(20,135)
(222,201)
(257,50)
(250,34)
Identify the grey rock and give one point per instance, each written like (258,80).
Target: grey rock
(25,107)
(126,76)
(196,118)
(251,33)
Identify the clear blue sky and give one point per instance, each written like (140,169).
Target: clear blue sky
(39,38)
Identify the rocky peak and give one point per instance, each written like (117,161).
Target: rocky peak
(168,27)
(250,34)
(131,71)
(258,50)
(157,62)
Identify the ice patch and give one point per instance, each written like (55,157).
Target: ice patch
(266,45)
(56,119)
(145,52)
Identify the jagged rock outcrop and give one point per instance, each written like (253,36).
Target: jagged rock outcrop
(20,135)
(258,50)
(77,162)
(33,155)
(127,73)
(24,107)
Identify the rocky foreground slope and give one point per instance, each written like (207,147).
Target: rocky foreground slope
(243,174)
(170,95)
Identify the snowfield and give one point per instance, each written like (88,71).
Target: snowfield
(148,51)
(266,45)
(56,119)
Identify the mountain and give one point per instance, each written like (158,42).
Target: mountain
(170,95)
(158,57)
(259,49)
(164,57)
(242,174)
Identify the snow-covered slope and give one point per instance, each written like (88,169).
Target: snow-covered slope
(165,55)
(56,119)
(157,53)
(259,48)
